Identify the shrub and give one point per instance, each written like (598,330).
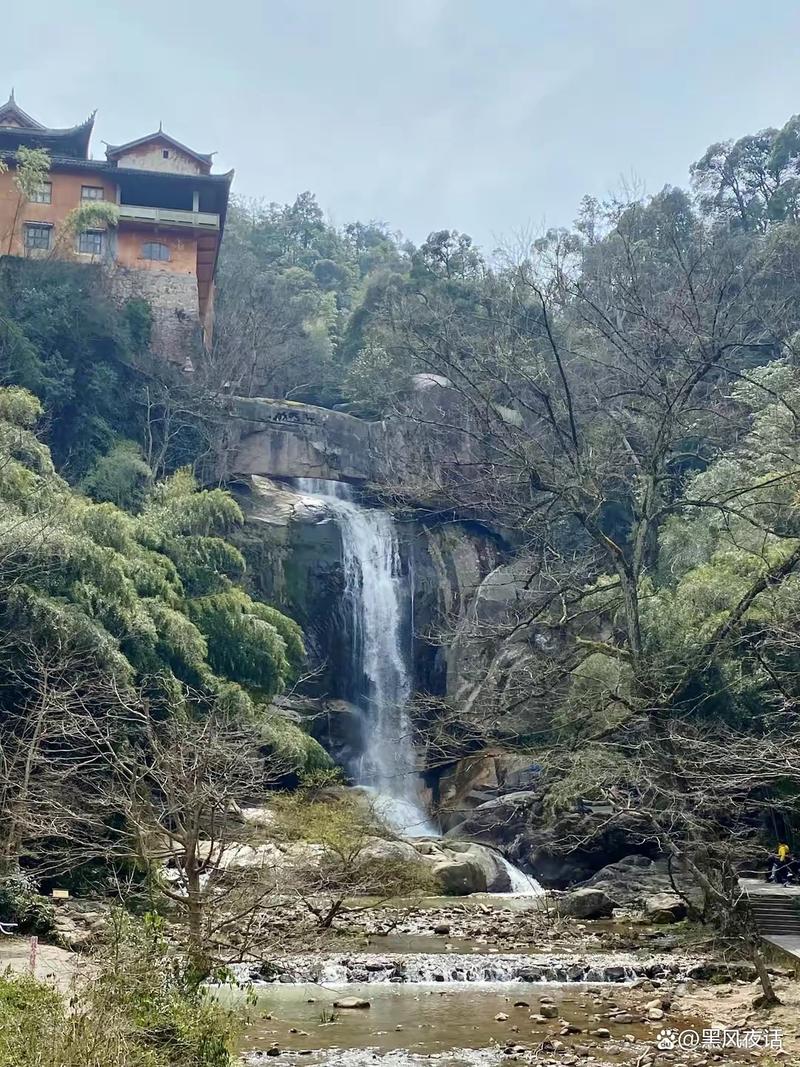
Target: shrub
(32,1016)
(121,477)
(142,1008)
(21,904)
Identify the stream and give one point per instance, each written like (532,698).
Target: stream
(417,1021)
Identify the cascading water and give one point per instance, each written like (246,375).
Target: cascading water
(377,617)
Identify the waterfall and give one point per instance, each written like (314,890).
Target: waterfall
(377,616)
(521,884)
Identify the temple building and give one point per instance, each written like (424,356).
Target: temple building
(163,242)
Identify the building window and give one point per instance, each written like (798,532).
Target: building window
(155,250)
(165,153)
(37,236)
(92,192)
(90,242)
(44,194)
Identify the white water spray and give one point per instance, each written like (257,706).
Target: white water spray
(376,615)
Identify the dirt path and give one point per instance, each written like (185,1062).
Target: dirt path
(53,964)
(732,1006)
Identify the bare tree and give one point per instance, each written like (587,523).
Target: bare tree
(347,856)
(57,691)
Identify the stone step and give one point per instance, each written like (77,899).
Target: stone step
(776,912)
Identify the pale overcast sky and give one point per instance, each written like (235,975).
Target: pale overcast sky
(488,116)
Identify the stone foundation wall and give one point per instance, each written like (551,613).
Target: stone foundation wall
(177,334)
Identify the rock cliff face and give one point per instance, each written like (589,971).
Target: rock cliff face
(477,645)
(282,439)
(294,557)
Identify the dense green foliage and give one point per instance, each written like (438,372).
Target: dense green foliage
(63,339)
(139,1010)
(151,595)
(291,287)
(104,610)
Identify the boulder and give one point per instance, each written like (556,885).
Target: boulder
(460,876)
(351,1002)
(495,871)
(634,879)
(469,867)
(286,439)
(262,817)
(665,908)
(497,821)
(546,844)
(587,904)
(266,856)
(379,850)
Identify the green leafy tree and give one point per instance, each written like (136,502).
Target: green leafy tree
(31,169)
(101,608)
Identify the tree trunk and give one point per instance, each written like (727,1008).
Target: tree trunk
(194,916)
(769,996)
(326,921)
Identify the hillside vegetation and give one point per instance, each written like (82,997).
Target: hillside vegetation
(632,385)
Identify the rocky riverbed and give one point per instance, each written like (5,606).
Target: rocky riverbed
(471,984)
(483,981)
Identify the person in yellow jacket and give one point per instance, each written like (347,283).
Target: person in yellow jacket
(779,864)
